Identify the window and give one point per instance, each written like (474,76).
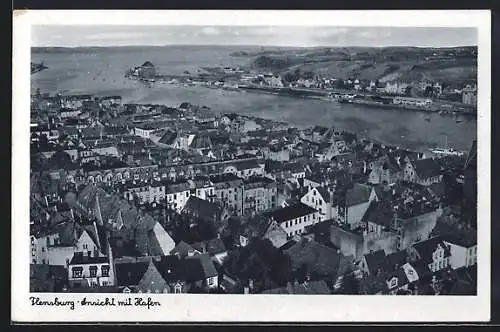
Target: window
(43,261)
(77,272)
(187,194)
(393,283)
(43,249)
(93,271)
(178,289)
(85,246)
(211,281)
(105,270)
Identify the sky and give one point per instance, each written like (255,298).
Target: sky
(294,36)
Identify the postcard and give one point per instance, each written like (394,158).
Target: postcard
(251,166)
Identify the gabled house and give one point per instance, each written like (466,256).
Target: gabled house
(215,248)
(321,199)
(262,227)
(373,262)
(434,252)
(351,208)
(160,242)
(200,272)
(422,171)
(385,170)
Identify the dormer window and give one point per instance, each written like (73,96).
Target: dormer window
(393,283)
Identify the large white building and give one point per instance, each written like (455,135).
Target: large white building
(293,219)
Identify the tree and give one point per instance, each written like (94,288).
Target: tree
(429,91)
(408,90)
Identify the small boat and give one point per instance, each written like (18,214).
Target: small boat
(448,151)
(459,120)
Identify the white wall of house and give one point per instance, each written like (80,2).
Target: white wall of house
(296,226)
(462,256)
(313,199)
(100,279)
(178,200)
(356,212)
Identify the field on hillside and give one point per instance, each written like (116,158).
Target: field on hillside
(448,65)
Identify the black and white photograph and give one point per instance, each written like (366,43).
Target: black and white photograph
(261,159)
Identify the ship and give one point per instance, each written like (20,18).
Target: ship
(446,151)
(36,67)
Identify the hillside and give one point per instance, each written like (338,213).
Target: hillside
(451,65)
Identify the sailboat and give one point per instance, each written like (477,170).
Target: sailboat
(446,150)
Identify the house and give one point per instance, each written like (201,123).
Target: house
(144,131)
(396,88)
(319,261)
(90,271)
(277,153)
(200,271)
(245,168)
(351,205)
(57,245)
(129,276)
(202,209)
(293,219)
(385,170)
(373,262)
(401,278)
(259,194)
(463,250)
(163,274)
(177,194)
(274,81)
(215,248)
(109,101)
(469,95)
(183,250)
(160,242)
(434,252)
(168,139)
(422,171)
(262,227)
(228,189)
(320,199)
(65,113)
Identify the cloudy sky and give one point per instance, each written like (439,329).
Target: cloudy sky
(72,36)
